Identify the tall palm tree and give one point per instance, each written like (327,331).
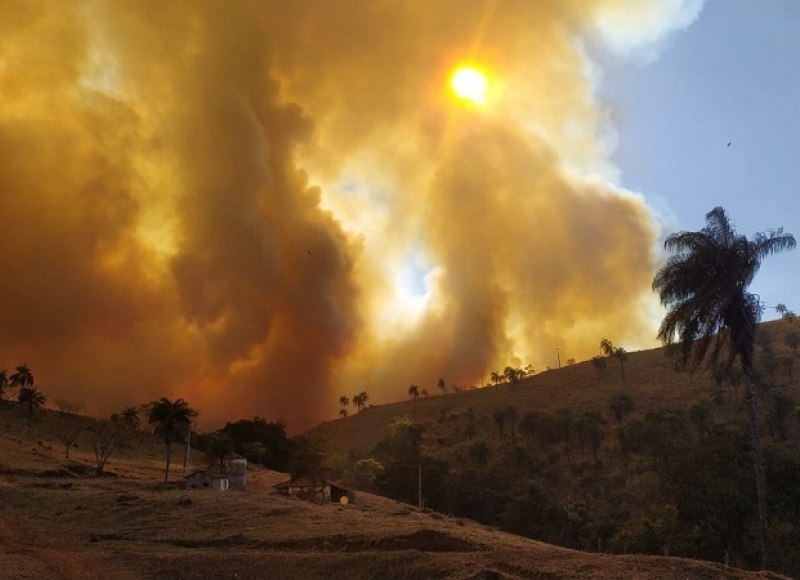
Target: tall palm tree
(33,399)
(170,418)
(413,391)
(22,378)
(621,355)
(704,285)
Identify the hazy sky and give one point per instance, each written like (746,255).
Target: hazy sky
(732,77)
(262,205)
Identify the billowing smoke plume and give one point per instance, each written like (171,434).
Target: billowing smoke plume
(259,206)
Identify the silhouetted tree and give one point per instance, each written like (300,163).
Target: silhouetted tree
(23,377)
(170,418)
(413,391)
(599,362)
(622,356)
(130,415)
(441,385)
(496,377)
(606,347)
(32,399)
(704,285)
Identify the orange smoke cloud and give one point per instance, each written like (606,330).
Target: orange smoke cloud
(260,206)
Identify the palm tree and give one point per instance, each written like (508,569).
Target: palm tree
(33,399)
(22,378)
(343,402)
(131,417)
(496,377)
(364,398)
(441,384)
(413,391)
(343,412)
(606,347)
(621,355)
(704,285)
(171,418)
(599,362)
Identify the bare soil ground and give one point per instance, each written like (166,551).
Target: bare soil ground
(58,522)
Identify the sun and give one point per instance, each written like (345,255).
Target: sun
(470,84)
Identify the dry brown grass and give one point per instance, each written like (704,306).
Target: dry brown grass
(59,525)
(650,379)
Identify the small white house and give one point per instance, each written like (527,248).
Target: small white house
(202,479)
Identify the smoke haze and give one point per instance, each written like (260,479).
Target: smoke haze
(259,206)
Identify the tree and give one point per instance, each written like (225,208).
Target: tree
(254,451)
(499,417)
(589,428)
(22,378)
(600,364)
(511,374)
(413,391)
(130,415)
(496,377)
(360,400)
(171,419)
(32,399)
(68,424)
(441,385)
(704,285)
(606,347)
(219,446)
(343,402)
(424,392)
(621,405)
(105,437)
(621,355)
(343,413)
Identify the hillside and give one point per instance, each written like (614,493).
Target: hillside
(651,378)
(660,464)
(59,522)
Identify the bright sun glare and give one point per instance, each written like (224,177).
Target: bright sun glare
(470,84)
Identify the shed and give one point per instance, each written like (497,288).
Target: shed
(205,479)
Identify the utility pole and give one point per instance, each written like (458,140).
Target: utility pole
(558,354)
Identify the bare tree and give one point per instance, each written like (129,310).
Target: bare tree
(106,437)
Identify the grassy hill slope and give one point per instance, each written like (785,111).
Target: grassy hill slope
(59,522)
